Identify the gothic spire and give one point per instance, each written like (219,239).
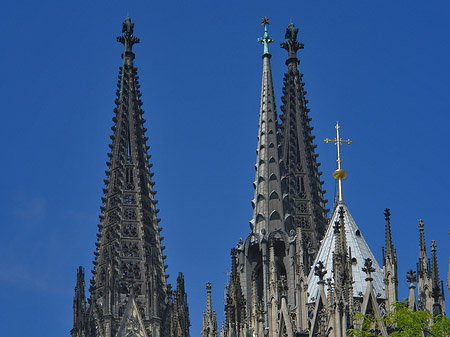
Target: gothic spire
(129,261)
(209,327)
(389,252)
(300,168)
(79,305)
(180,322)
(235,317)
(424,275)
(268,210)
(423,258)
(390,264)
(436,291)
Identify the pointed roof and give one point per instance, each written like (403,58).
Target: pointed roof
(360,252)
(268,212)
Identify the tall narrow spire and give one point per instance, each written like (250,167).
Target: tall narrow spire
(390,264)
(235,316)
(268,212)
(436,291)
(129,262)
(79,306)
(389,245)
(424,277)
(209,327)
(423,258)
(300,168)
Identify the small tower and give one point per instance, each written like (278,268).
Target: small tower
(209,326)
(179,309)
(424,281)
(235,304)
(79,306)
(390,265)
(437,291)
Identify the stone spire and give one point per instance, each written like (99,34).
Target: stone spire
(268,257)
(180,322)
(209,326)
(390,265)
(424,280)
(448,277)
(235,315)
(299,160)
(129,261)
(437,291)
(268,210)
(79,306)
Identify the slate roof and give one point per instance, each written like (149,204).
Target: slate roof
(360,251)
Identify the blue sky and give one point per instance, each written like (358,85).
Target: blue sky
(380,68)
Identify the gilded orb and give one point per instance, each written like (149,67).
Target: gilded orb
(339,174)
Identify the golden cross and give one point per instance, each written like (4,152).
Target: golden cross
(339,174)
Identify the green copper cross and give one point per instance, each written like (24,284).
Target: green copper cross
(266,39)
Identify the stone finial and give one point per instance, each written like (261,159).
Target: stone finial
(128,39)
(368,269)
(411,276)
(291,45)
(387,215)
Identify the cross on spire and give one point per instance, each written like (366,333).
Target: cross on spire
(339,174)
(266,39)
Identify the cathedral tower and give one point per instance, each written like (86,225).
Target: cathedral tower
(268,283)
(129,291)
